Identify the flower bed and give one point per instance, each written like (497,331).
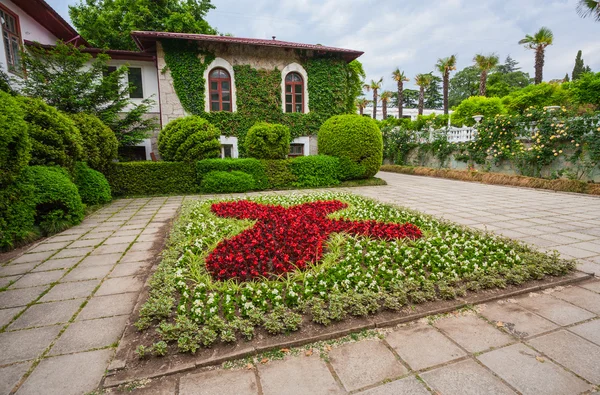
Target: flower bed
(271,263)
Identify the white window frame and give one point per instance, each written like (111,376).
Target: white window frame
(221,64)
(305,141)
(291,68)
(223,140)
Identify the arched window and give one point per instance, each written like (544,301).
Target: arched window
(220,90)
(294,93)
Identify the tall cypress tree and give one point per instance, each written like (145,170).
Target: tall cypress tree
(566,79)
(578,69)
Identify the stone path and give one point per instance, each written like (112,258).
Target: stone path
(65,303)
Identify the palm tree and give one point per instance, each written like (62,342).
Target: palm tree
(362,104)
(589,8)
(400,79)
(374,86)
(445,66)
(423,81)
(385,98)
(485,64)
(538,42)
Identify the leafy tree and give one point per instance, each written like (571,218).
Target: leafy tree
(74,82)
(423,81)
(578,68)
(108,23)
(433,93)
(500,83)
(485,64)
(463,85)
(362,103)
(509,66)
(400,79)
(410,98)
(586,90)
(385,98)
(540,95)
(445,66)
(374,86)
(538,42)
(489,107)
(587,8)
(355,83)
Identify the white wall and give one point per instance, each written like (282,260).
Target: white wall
(149,80)
(30,30)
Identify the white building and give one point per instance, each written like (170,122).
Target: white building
(411,113)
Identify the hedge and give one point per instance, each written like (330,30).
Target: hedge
(315,171)
(356,140)
(252,166)
(99,142)
(152,178)
(268,141)
(15,145)
(92,185)
(57,201)
(227,182)
(279,173)
(17,212)
(189,139)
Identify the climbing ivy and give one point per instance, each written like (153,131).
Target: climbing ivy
(258,92)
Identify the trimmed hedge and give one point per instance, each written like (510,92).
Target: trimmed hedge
(227,182)
(315,171)
(15,145)
(17,212)
(356,140)
(92,185)
(152,178)
(57,201)
(99,142)
(54,138)
(189,139)
(268,141)
(279,173)
(252,166)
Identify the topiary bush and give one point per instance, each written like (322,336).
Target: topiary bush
(315,171)
(15,146)
(152,178)
(189,139)
(356,141)
(55,140)
(57,201)
(252,166)
(267,141)
(92,185)
(279,173)
(227,182)
(99,142)
(17,213)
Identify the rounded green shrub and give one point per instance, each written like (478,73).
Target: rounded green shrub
(267,141)
(489,107)
(227,182)
(189,139)
(99,142)
(57,201)
(15,146)
(17,212)
(54,138)
(356,141)
(92,185)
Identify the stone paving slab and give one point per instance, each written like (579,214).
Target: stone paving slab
(365,363)
(90,334)
(47,314)
(53,264)
(465,378)
(38,278)
(217,382)
(421,346)
(553,309)
(88,273)
(472,333)
(529,373)
(73,290)
(20,297)
(581,297)
(515,319)
(10,376)
(20,346)
(120,285)
(588,330)
(6,315)
(407,386)
(100,260)
(107,306)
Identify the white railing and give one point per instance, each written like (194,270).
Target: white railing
(461,135)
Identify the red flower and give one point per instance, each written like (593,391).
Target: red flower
(286,239)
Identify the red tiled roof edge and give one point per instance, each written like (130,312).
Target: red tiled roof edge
(114,53)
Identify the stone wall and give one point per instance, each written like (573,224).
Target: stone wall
(170,105)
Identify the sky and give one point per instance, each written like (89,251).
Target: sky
(413,34)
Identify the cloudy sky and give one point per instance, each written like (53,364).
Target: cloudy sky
(413,34)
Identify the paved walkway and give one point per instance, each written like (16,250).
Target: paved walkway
(67,300)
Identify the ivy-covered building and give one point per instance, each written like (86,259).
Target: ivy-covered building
(234,82)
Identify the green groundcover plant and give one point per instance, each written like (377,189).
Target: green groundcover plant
(354,276)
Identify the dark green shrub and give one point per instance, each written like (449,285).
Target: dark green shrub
(57,201)
(99,142)
(227,182)
(189,139)
(15,146)
(356,140)
(315,171)
(92,185)
(17,213)
(152,178)
(279,173)
(252,166)
(268,141)
(54,138)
